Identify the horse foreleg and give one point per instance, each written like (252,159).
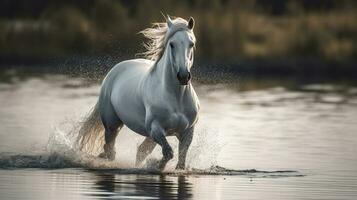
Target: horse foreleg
(158,134)
(185,140)
(145,148)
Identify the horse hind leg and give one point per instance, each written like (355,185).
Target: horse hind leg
(144,149)
(109,146)
(112,125)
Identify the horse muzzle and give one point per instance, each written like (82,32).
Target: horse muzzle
(184,78)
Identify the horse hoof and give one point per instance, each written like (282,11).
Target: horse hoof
(111,156)
(102,155)
(162,164)
(180,167)
(139,164)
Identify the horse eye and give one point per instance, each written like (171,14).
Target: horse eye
(171,45)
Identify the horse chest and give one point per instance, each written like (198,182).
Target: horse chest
(175,119)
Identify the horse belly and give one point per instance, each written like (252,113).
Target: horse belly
(129,108)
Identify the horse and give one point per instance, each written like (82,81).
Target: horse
(153,96)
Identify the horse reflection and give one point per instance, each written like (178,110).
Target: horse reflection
(142,186)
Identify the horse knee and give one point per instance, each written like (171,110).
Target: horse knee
(158,135)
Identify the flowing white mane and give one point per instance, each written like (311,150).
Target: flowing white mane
(158,35)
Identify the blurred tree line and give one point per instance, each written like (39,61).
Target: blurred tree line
(228,31)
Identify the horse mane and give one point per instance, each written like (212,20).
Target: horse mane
(158,34)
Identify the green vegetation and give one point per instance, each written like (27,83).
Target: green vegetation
(228,31)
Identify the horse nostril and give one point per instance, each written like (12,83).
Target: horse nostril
(178,76)
(184,79)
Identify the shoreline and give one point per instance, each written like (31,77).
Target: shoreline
(286,67)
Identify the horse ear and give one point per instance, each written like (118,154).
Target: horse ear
(169,21)
(191,23)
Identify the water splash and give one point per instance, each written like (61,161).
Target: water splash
(62,153)
(74,160)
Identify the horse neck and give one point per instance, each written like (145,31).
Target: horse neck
(167,77)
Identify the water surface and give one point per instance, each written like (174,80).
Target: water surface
(299,137)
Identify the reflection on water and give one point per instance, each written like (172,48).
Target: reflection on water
(304,128)
(143,187)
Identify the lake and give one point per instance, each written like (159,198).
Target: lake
(257,138)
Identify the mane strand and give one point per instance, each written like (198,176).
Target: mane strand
(158,35)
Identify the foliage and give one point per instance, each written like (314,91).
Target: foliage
(227,30)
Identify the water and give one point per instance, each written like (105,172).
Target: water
(256,139)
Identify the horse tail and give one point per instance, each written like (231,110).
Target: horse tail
(91,134)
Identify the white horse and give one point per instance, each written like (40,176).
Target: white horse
(153,97)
